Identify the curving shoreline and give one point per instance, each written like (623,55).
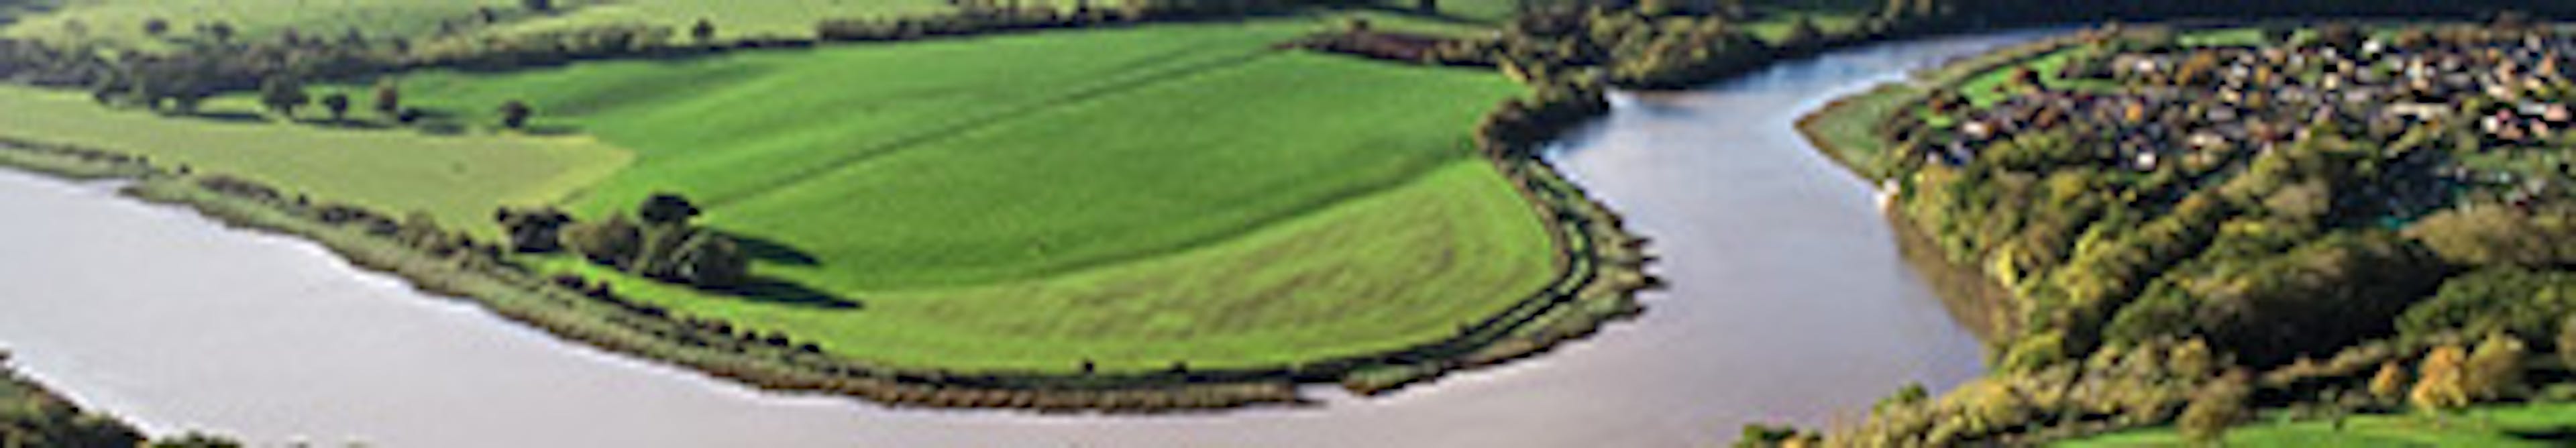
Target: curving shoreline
(1602,269)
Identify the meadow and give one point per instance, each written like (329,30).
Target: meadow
(1036,201)
(2521,425)
(458,179)
(1029,202)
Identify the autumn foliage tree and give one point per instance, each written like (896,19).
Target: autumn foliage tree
(2389,384)
(2442,380)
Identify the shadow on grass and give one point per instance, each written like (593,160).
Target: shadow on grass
(782,292)
(236,117)
(349,124)
(2562,435)
(772,251)
(550,130)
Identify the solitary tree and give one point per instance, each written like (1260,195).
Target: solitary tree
(538,5)
(667,209)
(338,104)
(388,99)
(220,31)
(704,31)
(283,95)
(156,27)
(514,114)
(1426,6)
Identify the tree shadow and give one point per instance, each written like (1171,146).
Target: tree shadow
(2557,434)
(550,130)
(772,251)
(230,116)
(350,124)
(782,292)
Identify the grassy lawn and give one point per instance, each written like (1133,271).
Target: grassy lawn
(457,178)
(1848,130)
(1134,197)
(2529,425)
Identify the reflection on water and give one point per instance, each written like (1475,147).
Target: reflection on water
(1788,302)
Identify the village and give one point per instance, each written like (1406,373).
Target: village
(2143,106)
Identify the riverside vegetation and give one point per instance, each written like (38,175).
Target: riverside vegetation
(2319,223)
(32,416)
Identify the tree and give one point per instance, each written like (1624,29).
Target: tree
(2390,383)
(156,27)
(388,99)
(2214,408)
(338,104)
(613,242)
(2494,370)
(2191,359)
(704,31)
(421,231)
(2439,384)
(667,209)
(1431,7)
(222,32)
(538,5)
(514,114)
(711,259)
(534,231)
(283,95)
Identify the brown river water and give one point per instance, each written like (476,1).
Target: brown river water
(1788,302)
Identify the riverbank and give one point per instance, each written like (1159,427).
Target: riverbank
(1603,268)
(34,416)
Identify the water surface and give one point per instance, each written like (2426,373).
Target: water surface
(1789,302)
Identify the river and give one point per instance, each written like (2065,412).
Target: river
(1788,302)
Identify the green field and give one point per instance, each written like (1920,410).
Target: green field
(2533,425)
(1135,196)
(459,179)
(1132,197)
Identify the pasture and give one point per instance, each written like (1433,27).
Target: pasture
(1033,201)
(458,179)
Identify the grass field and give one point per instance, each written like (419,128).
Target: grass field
(1033,201)
(1133,197)
(2534,425)
(458,179)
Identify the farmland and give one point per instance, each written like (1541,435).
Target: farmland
(1025,202)
(992,217)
